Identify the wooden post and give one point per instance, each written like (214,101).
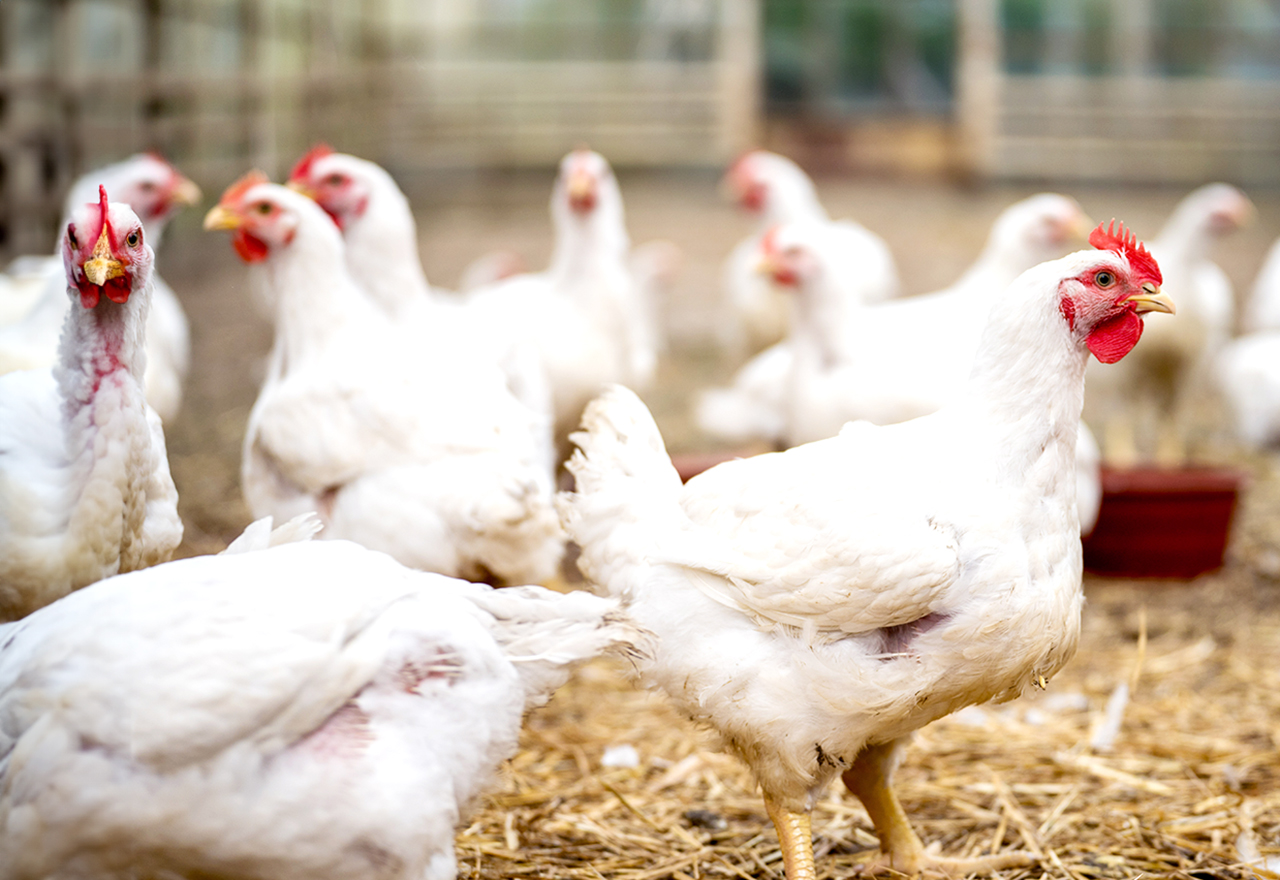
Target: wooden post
(1131,37)
(978,76)
(740,83)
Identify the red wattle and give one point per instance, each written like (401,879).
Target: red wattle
(1114,338)
(250,249)
(117,289)
(89,294)
(752,198)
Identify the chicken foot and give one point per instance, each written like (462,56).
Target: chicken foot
(795,838)
(901,851)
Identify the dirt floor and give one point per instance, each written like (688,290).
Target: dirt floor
(1191,784)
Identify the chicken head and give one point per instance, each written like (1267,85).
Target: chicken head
(104,252)
(785,259)
(771,187)
(148,184)
(334,181)
(257,214)
(1105,303)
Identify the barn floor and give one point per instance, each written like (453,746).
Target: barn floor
(1191,785)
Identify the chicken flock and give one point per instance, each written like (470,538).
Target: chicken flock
(328,697)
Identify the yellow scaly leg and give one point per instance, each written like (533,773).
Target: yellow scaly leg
(795,838)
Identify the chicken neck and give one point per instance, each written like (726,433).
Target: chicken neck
(107,434)
(382,251)
(791,200)
(1026,389)
(316,298)
(819,315)
(589,244)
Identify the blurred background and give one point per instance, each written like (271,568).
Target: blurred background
(1152,91)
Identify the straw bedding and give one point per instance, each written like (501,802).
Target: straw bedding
(1187,786)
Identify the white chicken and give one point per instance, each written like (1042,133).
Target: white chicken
(382,255)
(775,190)
(1263,309)
(377,224)
(314,711)
(818,605)
(585,314)
(1145,403)
(1248,369)
(399,444)
(923,345)
(155,190)
(85,490)
(1248,374)
(21,284)
(843,370)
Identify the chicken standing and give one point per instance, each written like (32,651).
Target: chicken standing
(1145,405)
(585,314)
(311,712)
(400,445)
(382,255)
(775,190)
(817,606)
(155,190)
(85,490)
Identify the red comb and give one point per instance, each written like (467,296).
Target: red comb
(1122,241)
(303,167)
(242,186)
(103,204)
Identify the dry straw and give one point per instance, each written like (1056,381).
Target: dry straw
(1156,753)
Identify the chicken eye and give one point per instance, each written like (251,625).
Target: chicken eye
(71,237)
(1104,279)
(262,208)
(335,180)
(134,238)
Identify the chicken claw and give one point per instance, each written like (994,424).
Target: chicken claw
(901,851)
(930,865)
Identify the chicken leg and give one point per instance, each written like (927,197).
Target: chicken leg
(870,779)
(795,838)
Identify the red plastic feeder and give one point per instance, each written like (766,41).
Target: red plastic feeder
(1162,522)
(689,464)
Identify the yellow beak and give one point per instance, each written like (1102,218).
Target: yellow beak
(1152,299)
(186,193)
(581,185)
(764,265)
(221,218)
(299,187)
(101,267)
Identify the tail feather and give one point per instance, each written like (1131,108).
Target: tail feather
(626,488)
(544,633)
(260,536)
(620,441)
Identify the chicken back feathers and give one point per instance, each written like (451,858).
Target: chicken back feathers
(326,714)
